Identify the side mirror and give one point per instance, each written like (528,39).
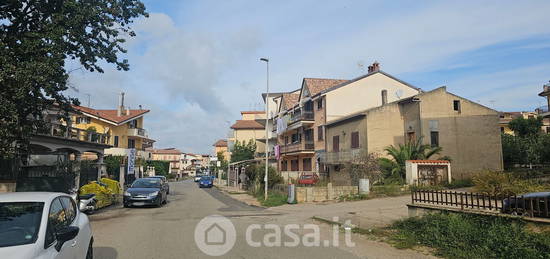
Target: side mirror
(65,234)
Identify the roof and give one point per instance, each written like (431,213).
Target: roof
(429,161)
(111,115)
(221,143)
(317,85)
(367,75)
(29,196)
(290,100)
(166,151)
(271,95)
(252,112)
(247,124)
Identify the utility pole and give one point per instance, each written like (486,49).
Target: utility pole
(266,127)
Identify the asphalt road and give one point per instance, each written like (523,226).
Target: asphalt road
(169,231)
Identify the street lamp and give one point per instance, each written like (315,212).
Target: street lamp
(266,127)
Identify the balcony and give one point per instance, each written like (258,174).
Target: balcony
(62,131)
(137,132)
(301,116)
(306,146)
(543,111)
(340,157)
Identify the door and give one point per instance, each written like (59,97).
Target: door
(57,219)
(74,218)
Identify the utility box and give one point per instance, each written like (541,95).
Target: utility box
(428,172)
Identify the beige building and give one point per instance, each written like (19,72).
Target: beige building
(221,146)
(506,117)
(171,155)
(305,112)
(466,131)
(248,129)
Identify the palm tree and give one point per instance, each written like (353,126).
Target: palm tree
(412,150)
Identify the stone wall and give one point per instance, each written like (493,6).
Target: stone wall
(317,194)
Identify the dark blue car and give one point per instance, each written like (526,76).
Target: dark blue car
(206,181)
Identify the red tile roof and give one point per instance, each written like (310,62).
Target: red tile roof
(252,112)
(111,115)
(166,151)
(247,124)
(290,99)
(430,161)
(221,143)
(316,85)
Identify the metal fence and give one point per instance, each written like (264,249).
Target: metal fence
(515,205)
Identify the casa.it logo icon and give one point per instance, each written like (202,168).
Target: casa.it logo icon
(215,235)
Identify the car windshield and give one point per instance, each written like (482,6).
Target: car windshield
(146,183)
(307,176)
(205,178)
(19,222)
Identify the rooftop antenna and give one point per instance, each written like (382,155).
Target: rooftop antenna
(89,99)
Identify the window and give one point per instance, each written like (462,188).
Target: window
(320,104)
(132,124)
(456,105)
(355,139)
(384,97)
(284,165)
(307,164)
(296,137)
(336,143)
(115,141)
(70,209)
(56,220)
(308,106)
(434,136)
(308,134)
(501,129)
(131,143)
(320,133)
(548,130)
(19,222)
(82,120)
(411,136)
(294,165)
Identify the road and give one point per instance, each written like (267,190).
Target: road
(169,231)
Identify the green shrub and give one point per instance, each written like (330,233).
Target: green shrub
(500,183)
(273,198)
(461,183)
(471,236)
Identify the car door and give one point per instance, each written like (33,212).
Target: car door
(57,219)
(81,241)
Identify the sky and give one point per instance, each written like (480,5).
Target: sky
(195,64)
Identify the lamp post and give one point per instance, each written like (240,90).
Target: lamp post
(266,127)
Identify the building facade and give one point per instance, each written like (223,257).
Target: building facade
(171,155)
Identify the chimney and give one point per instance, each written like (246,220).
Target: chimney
(370,69)
(375,66)
(127,111)
(120,108)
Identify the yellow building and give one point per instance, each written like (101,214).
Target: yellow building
(506,117)
(221,146)
(124,126)
(248,129)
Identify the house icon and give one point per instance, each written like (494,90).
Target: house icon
(215,235)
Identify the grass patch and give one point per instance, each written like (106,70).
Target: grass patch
(273,198)
(471,236)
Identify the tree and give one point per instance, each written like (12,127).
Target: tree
(161,167)
(364,166)
(526,127)
(37,38)
(243,151)
(412,150)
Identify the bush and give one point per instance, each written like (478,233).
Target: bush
(471,236)
(273,198)
(503,184)
(461,183)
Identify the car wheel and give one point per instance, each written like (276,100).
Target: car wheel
(126,205)
(159,203)
(90,252)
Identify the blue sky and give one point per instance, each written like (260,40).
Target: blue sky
(195,63)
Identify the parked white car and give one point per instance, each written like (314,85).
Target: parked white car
(43,225)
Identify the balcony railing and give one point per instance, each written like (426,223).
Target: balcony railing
(296,147)
(62,131)
(137,132)
(542,109)
(301,116)
(340,156)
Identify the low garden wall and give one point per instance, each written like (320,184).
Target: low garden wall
(317,194)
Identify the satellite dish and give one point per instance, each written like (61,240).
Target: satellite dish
(399,93)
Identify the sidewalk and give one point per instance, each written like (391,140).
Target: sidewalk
(238,194)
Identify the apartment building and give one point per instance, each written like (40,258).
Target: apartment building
(248,128)
(124,126)
(506,117)
(171,155)
(221,146)
(466,131)
(191,163)
(303,113)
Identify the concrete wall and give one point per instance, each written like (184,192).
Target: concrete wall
(471,137)
(364,94)
(320,119)
(7,187)
(384,128)
(247,134)
(318,194)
